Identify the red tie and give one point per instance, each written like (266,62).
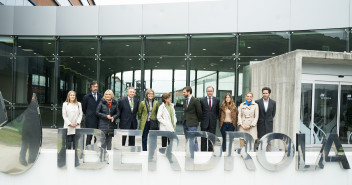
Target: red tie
(209,103)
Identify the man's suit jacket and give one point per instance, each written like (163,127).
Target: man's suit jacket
(89,107)
(209,117)
(128,119)
(192,113)
(265,121)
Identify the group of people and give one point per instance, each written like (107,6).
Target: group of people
(102,111)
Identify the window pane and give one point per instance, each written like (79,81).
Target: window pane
(78,46)
(306,111)
(323,40)
(213,45)
(263,44)
(121,46)
(166,45)
(36,46)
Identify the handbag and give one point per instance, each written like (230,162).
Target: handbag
(154,124)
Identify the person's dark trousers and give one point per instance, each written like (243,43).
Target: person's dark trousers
(107,143)
(131,139)
(187,128)
(206,145)
(71,142)
(165,141)
(89,139)
(225,127)
(145,135)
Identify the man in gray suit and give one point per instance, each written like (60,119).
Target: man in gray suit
(210,110)
(267,111)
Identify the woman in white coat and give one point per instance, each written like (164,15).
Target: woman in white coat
(72,115)
(166,117)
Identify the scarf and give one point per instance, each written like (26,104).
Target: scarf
(248,103)
(109,104)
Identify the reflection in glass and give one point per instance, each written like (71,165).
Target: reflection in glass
(6,46)
(306,111)
(323,40)
(263,44)
(36,46)
(21,140)
(325,111)
(345,130)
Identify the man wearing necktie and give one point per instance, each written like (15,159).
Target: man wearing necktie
(192,113)
(89,105)
(210,110)
(128,107)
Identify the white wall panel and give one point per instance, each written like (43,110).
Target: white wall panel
(166,18)
(81,20)
(259,15)
(319,14)
(120,20)
(214,16)
(6,20)
(35,20)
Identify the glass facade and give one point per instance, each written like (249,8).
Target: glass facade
(52,66)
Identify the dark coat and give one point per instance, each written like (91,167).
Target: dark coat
(266,119)
(103,111)
(89,107)
(192,113)
(209,117)
(128,119)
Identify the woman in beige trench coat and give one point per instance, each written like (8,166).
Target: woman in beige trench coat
(248,114)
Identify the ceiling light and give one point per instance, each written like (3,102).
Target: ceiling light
(20,46)
(91,48)
(130,59)
(127,45)
(27,49)
(35,53)
(61,51)
(249,47)
(131,67)
(49,43)
(273,53)
(168,42)
(221,60)
(155,66)
(204,49)
(71,57)
(157,62)
(204,68)
(109,67)
(255,59)
(78,62)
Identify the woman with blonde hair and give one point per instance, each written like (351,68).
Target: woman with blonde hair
(248,115)
(227,117)
(107,112)
(167,117)
(147,114)
(72,115)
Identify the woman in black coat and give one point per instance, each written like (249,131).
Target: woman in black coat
(107,112)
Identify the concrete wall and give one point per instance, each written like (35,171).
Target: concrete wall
(283,74)
(177,17)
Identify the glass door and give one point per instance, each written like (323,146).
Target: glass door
(345,116)
(326,97)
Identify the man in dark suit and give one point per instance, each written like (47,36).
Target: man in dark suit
(89,105)
(267,111)
(192,112)
(128,107)
(210,110)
